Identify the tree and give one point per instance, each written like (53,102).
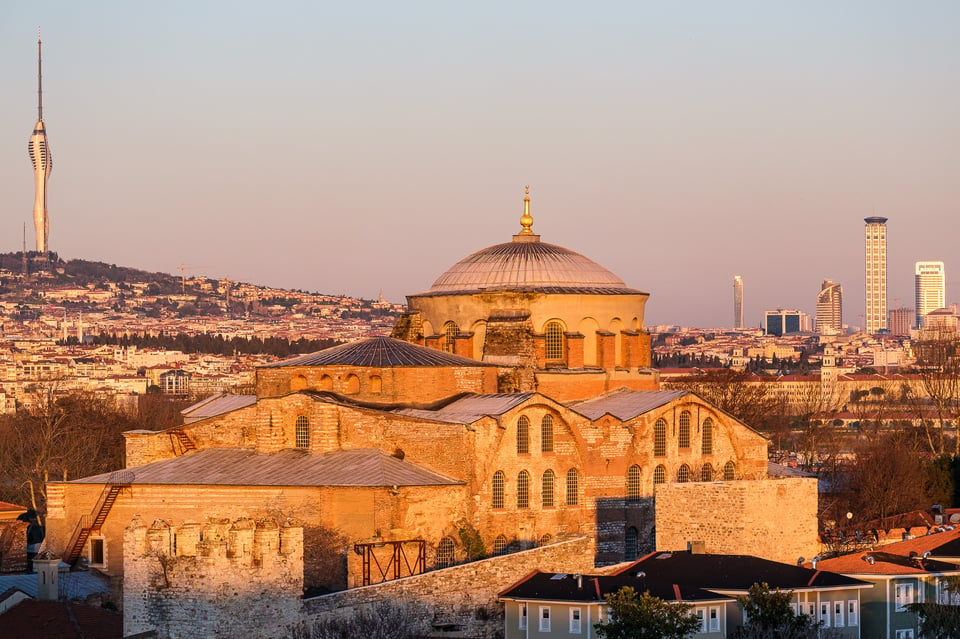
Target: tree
(769,616)
(645,616)
(739,393)
(938,364)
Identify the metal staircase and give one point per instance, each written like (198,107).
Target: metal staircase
(186,444)
(94,521)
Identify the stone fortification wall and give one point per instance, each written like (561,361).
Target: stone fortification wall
(223,578)
(774,519)
(460,601)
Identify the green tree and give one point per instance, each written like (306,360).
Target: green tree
(768,616)
(645,616)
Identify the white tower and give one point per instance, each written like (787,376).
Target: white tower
(42,163)
(876,267)
(737,301)
(931,288)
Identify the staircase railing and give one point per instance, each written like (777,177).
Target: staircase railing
(117,481)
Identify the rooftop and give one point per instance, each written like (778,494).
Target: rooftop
(379,352)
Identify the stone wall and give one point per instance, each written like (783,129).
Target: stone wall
(774,519)
(13,546)
(460,601)
(223,578)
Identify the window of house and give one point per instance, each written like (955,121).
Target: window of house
(445,550)
(450,332)
(544,618)
(523,435)
(906,633)
(706,472)
(574,621)
(660,438)
(523,489)
(97,554)
(553,347)
(707,437)
(794,609)
(729,471)
(633,483)
(853,612)
(302,432)
(948,596)
(546,488)
(572,487)
(546,434)
(838,614)
(683,438)
(683,474)
(702,619)
(714,619)
(659,475)
(523,616)
(500,545)
(825,614)
(499,479)
(631,547)
(904,596)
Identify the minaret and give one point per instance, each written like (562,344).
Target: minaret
(42,163)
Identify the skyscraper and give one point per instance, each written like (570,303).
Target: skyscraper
(901,319)
(42,163)
(829,308)
(931,288)
(737,301)
(784,321)
(876,268)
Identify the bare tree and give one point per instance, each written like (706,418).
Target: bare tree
(938,365)
(740,393)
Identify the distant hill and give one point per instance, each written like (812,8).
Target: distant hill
(84,272)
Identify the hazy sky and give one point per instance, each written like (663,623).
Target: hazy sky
(350,147)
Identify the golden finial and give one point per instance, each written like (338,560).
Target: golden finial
(526,221)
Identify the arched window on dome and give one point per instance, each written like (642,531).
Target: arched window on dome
(297,383)
(351,385)
(554,346)
(326,383)
(376,384)
(450,332)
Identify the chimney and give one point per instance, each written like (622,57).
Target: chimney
(697,547)
(48,576)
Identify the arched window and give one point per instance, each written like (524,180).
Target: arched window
(683,439)
(573,486)
(523,489)
(683,474)
(302,432)
(554,338)
(523,435)
(545,539)
(633,483)
(376,384)
(445,553)
(707,446)
(729,471)
(326,383)
(500,545)
(498,482)
(450,331)
(631,548)
(706,472)
(298,382)
(352,385)
(659,475)
(546,434)
(546,488)
(660,438)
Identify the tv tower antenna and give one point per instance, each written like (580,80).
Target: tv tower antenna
(42,163)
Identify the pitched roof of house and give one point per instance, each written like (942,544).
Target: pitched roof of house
(548,586)
(290,467)
(624,404)
(44,619)
(902,557)
(379,352)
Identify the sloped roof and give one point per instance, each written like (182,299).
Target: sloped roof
(216,405)
(548,586)
(44,619)
(291,467)
(624,404)
(469,409)
(379,352)
(896,559)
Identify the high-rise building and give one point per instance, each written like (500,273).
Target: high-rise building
(876,268)
(42,163)
(737,301)
(783,321)
(931,288)
(901,319)
(829,308)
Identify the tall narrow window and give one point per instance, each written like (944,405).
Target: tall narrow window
(450,332)
(659,475)
(523,489)
(523,435)
(500,545)
(660,438)
(683,439)
(631,549)
(546,434)
(707,446)
(706,472)
(302,432)
(553,347)
(573,485)
(445,551)
(498,482)
(546,488)
(729,471)
(683,474)
(633,483)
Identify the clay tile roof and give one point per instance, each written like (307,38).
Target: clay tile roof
(895,558)
(291,467)
(45,619)
(548,586)
(624,404)
(379,352)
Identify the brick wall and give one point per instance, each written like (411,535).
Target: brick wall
(13,546)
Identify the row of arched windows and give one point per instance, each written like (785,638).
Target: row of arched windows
(684,435)
(684,474)
(547,489)
(447,549)
(350,385)
(523,434)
